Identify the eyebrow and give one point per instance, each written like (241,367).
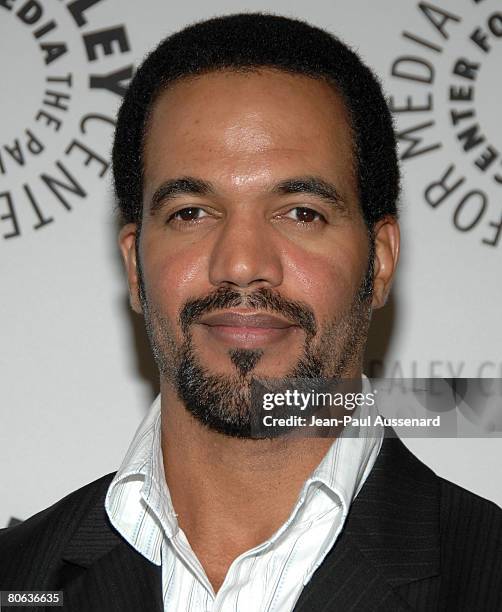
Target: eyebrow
(312,185)
(188,185)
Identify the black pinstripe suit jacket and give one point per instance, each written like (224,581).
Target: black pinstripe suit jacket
(412,541)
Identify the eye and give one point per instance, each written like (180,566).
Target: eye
(303,214)
(190,213)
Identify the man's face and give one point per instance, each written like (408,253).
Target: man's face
(255,258)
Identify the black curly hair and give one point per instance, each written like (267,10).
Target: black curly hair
(252,41)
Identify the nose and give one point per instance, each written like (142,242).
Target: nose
(245,254)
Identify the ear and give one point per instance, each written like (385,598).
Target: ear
(387,241)
(127,243)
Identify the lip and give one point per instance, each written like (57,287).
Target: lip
(247,320)
(246,329)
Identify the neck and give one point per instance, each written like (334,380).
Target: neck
(217,479)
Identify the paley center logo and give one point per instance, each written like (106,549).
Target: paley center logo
(64,66)
(445,95)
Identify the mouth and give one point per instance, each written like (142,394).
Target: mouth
(246,328)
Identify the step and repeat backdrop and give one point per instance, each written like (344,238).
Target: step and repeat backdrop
(76,376)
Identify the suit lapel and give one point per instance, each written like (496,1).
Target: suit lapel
(347,580)
(390,539)
(101,571)
(120,581)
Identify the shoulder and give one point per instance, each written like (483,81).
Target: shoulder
(41,538)
(471,550)
(59,517)
(452,536)
(467,521)
(472,521)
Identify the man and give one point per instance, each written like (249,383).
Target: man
(256,174)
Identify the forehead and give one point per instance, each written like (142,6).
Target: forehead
(256,121)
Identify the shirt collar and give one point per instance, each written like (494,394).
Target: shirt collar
(138,498)
(344,468)
(348,461)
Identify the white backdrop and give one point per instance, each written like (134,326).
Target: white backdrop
(73,387)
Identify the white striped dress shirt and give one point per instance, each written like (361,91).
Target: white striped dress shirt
(267,578)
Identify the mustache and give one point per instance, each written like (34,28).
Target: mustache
(298,313)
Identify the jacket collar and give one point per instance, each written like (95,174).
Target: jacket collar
(101,571)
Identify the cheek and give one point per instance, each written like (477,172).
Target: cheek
(326,280)
(172,277)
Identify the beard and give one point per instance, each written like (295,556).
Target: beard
(223,402)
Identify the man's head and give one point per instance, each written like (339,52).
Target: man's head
(255,169)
